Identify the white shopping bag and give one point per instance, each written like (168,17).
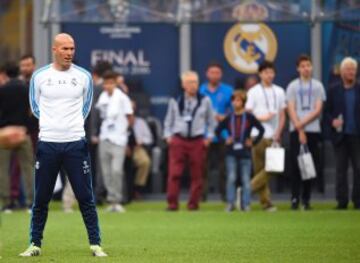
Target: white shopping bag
(58,184)
(275,159)
(306,163)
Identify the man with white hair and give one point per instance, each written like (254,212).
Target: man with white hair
(187,121)
(343,115)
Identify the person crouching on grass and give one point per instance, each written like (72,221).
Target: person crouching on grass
(238,156)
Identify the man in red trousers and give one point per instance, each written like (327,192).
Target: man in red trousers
(188,128)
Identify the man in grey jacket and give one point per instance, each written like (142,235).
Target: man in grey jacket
(188,128)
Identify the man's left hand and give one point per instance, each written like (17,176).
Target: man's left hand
(219,118)
(207,142)
(249,143)
(277,137)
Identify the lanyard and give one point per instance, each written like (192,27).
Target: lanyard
(242,127)
(267,100)
(188,118)
(302,91)
(185,111)
(187,108)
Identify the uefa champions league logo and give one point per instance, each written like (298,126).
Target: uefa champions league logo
(248,45)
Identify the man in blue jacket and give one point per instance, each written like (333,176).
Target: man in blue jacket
(220,95)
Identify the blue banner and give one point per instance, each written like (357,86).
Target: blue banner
(241,47)
(340,39)
(146,54)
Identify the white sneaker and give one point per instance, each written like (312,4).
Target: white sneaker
(97,251)
(7,211)
(270,209)
(116,208)
(109,208)
(246,209)
(32,251)
(119,208)
(230,208)
(68,210)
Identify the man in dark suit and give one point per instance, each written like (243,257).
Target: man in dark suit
(14,110)
(343,115)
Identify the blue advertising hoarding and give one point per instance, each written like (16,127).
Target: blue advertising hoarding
(146,54)
(241,47)
(340,39)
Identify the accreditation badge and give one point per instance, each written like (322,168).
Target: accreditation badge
(238,146)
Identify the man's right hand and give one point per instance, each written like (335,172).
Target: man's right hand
(298,125)
(94,139)
(337,123)
(302,137)
(229,141)
(266,117)
(128,152)
(168,140)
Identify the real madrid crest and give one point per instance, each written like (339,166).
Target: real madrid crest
(247,45)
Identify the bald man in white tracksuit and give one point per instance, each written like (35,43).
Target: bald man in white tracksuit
(60,97)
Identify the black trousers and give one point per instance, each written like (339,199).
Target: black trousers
(214,172)
(298,186)
(348,150)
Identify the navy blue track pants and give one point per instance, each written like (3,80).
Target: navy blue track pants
(74,158)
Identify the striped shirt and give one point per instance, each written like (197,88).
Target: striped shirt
(61,100)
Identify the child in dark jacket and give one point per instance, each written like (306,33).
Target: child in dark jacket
(238,126)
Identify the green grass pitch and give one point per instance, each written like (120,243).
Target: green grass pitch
(146,233)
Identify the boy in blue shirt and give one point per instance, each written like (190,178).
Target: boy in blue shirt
(238,149)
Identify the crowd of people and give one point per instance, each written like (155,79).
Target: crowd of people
(243,124)
(113,132)
(220,133)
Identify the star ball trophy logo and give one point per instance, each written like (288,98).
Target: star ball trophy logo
(248,45)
